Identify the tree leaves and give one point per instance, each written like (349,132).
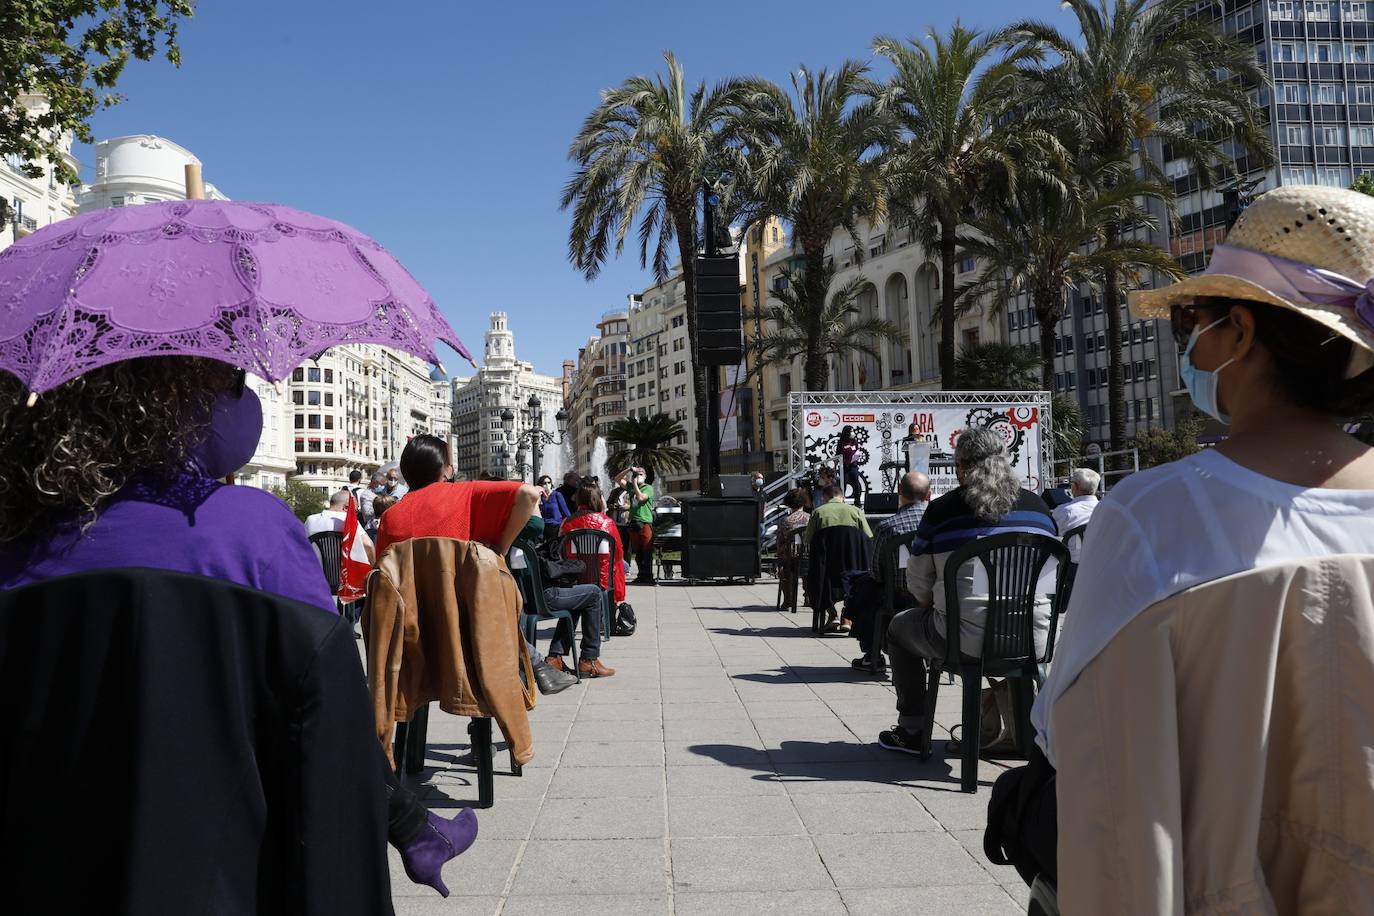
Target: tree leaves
(52,69)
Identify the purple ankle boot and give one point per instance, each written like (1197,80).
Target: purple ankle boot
(440,840)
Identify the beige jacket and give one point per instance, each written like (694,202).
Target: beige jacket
(1218,755)
(442,623)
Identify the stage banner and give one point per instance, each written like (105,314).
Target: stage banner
(735,379)
(895,437)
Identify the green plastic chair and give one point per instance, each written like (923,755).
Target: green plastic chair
(530,581)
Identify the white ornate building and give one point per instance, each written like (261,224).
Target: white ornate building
(34,202)
(139,169)
(502,382)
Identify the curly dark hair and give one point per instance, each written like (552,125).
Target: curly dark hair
(81,442)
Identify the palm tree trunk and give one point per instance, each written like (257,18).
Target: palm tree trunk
(1116,382)
(1048,317)
(685,223)
(947,249)
(815,368)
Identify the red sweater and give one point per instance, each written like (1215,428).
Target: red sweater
(600,522)
(469,511)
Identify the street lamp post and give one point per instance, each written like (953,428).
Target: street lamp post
(535,436)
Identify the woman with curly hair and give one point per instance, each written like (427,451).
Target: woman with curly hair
(121,469)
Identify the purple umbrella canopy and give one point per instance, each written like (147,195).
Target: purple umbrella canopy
(261,286)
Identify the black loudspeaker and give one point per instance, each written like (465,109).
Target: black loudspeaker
(720,325)
(736,485)
(720,537)
(880,503)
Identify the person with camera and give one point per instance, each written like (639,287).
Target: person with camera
(641,498)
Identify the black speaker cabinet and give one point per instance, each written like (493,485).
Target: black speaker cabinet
(720,537)
(880,503)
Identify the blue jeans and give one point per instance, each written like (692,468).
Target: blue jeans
(583,601)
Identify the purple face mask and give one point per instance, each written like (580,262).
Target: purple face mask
(231,440)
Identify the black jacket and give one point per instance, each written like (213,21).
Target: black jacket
(836,550)
(181,745)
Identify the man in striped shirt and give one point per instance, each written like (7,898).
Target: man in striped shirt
(989,500)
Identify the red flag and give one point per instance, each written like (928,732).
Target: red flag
(354,566)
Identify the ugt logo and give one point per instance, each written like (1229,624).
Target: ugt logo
(813,419)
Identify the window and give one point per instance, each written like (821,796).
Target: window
(1319,52)
(1126,373)
(1101,340)
(1354,11)
(1289,52)
(1364,95)
(1058,349)
(329,445)
(313,445)
(1135,333)
(1149,330)
(298,397)
(1293,93)
(1332,136)
(314,421)
(1320,10)
(1092,377)
(300,421)
(1282,9)
(1070,378)
(329,399)
(1139,369)
(1364,136)
(312,374)
(967,264)
(1243,19)
(1068,344)
(1328,94)
(1151,370)
(328,421)
(298,374)
(1335,177)
(1357,52)
(312,398)
(329,376)
(1297,134)
(1299,174)
(679,321)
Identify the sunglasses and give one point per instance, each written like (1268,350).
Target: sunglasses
(1183,319)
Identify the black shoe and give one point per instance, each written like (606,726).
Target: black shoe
(862,664)
(550,680)
(899,739)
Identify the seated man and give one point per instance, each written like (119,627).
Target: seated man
(861,607)
(1079,508)
(493,512)
(989,500)
(832,512)
(332,519)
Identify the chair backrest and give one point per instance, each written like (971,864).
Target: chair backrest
(827,562)
(590,545)
(890,569)
(329,546)
(1014,563)
(529,577)
(1073,533)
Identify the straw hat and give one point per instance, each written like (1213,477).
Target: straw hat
(1330,229)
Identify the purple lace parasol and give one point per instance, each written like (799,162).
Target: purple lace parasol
(260,286)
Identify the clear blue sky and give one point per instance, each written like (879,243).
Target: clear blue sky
(441,128)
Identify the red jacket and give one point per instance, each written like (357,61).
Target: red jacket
(600,522)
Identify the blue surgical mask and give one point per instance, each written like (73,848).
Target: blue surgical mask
(1202,384)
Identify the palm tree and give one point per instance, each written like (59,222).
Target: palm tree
(1145,70)
(993,366)
(811,158)
(646,442)
(957,142)
(1045,239)
(644,154)
(799,329)
(1015,367)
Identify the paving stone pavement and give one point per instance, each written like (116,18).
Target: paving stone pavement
(730,767)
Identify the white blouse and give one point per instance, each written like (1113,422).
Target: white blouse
(1161,531)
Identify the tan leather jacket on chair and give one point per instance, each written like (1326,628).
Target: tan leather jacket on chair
(442,623)
(1218,755)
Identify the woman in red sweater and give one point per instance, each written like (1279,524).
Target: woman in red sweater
(591,513)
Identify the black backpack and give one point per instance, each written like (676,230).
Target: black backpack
(625,620)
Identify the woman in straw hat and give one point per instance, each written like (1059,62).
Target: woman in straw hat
(1211,705)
